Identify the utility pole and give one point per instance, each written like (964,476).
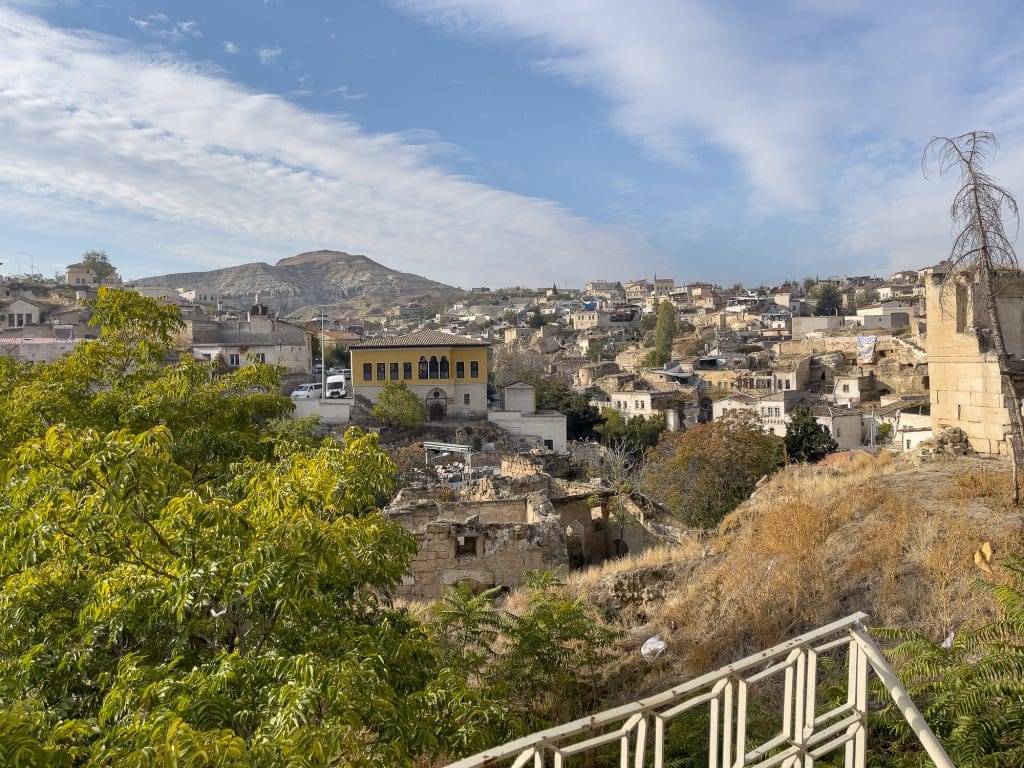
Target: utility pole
(31,262)
(323,364)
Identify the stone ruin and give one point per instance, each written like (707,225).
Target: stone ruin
(950,442)
(503,527)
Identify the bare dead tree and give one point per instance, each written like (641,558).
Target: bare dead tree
(982,250)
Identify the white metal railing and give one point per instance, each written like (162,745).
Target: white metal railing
(636,732)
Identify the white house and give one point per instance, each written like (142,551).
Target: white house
(519,416)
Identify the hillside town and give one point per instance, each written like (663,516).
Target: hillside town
(882,364)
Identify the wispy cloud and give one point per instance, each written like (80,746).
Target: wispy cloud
(269,55)
(160,25)
(346,93)
(797,97)
(231,48)
(184,164)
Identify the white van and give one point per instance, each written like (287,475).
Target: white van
(337,386)
(308,391)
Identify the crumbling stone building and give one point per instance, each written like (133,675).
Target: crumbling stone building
(964,382)
(523,521)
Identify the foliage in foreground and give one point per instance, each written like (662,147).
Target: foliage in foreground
(972,693)
(544,661)
(186,581)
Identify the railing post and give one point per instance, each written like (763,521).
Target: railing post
(902,699)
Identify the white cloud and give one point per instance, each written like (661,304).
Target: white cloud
(173,161)
(161,26)
(231,48)
(269,55)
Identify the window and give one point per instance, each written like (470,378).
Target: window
(381,371)
(367,371)
(846,387)
(233,360)
(444,367)
(460,370)
(407,371)
(433,367)
(28,319)
(423,367)
(785,384)
(778,412)
(465,546)
(260,357)
(908,445)
(394,371)
(10,320)
(465,399)
(474,369)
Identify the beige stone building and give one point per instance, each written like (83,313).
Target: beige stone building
(964,382)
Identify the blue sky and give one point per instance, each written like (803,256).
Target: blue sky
(497,143)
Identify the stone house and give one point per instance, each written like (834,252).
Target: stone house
(260,338)
(79,276)
(965,386)
(19,312)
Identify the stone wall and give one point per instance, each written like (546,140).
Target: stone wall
(520,466)
(965,386)
(483,555)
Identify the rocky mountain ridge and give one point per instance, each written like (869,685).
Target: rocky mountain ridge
(298,284)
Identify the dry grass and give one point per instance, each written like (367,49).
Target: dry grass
(980,484)
(818,543)
(586,581)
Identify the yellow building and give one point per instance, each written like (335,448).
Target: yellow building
(448,372)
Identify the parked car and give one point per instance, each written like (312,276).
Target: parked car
(308,391)
(336,387)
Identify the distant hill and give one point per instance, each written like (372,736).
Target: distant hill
(296,285)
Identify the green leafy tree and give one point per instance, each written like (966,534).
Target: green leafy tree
(632,435)
(542,662)
(595,349)
(829,300)
(581,418)
(98,263)
(183,582)
(398,406)
(806,439)
(664,333)
(538,319)
(705,472)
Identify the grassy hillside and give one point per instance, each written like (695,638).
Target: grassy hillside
(815,543)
